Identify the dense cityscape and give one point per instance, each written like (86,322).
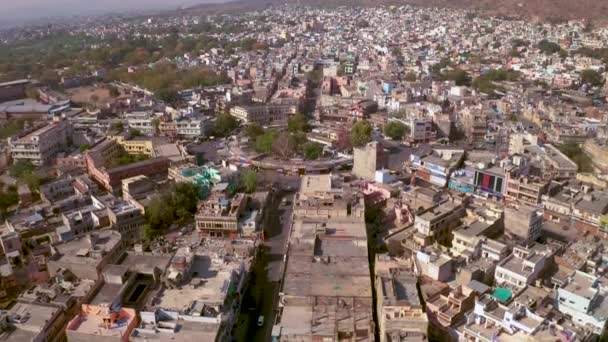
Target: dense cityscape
(298,173)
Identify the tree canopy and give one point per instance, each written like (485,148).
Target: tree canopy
(361,133)
(312,150)
(224,125)
(592,77)
(297,123)
(249,181)
(395,130)
(177,204)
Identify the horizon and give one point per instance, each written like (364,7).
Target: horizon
(32,10)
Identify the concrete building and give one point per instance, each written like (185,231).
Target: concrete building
(422,131)
(13,90)
(583,298)
(525,190)
(399,309)
(523,222)
(41,145)
(219,217)
(326,292)
(475,125)
(86,256)
(436,224)
(367,160)
(522,267)
(264,114)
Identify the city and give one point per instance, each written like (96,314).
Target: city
(304,173)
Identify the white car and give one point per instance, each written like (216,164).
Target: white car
(260,321)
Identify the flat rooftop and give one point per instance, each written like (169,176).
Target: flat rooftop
(81,251)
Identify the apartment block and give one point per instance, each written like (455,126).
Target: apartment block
(218,217)
(263,114)
(41,145)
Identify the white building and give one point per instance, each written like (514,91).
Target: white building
(521,268)
(584,299)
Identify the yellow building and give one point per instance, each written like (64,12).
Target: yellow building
(136,145)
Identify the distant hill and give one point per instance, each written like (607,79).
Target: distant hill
(536,10)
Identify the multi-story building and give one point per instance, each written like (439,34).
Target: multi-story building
(584,298)
(422,131)
(399,309)
(522,267)
(525,190)
(490,182)
(13,90)
(367,160)
(41,145)
(523,222)
(475,125)
(437,223)
(219,217)
(264,114)
(141,121)
(450,309)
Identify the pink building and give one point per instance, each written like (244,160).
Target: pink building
(101,324)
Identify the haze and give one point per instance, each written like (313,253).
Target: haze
(24,10)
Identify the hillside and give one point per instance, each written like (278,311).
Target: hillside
(536,10)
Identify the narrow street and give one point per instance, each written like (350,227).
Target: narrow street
(262,293)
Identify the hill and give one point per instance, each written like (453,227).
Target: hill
(535,10)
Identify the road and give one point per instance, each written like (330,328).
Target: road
(268,273)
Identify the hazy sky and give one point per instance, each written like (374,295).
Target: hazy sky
(21,10)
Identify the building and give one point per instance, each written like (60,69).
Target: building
(522,267)
(263,114)
(436,224)
(86,256)
(422,131)
(399,309)
(475,125)
(583,298)
(326,293)
(41,145)
(491,182)
(13,90)
(523,222)
(525,190)
(218,217)
(367,160)
(449,309)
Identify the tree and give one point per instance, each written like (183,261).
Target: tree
(591,77)
(283,146)
(312,150)
(548,47)
(297,123)
(395,130)
(249,181)
(20,168)
(254,130)
(459,76)
(411,77)
(135,132)
(114,92)
(361,133)
(168,96)
(224,125)
(576,153)
(264,142)
(117,126)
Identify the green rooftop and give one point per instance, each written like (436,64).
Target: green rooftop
(502,294)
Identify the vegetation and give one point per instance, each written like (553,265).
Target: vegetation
(485,82)
(361,133)
(548,47)
(591,77)
(124,158)
(577,155)
(11,128)
(395,130)
(601,53)
(176,205)
(297,123)
(459,76)
(253,131)
(264,142)
(249,181)
(8,198)
(24,171)
(312,150)
(224,125)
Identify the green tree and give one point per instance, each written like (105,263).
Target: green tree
(168,96)
(224,125)
(312,150)
(361,133)
(411,77)
(254,130)
(592,77)
(20,168)
(459,76)
(395,130)
(249,181)
(117,126)
(548,47)
(297,123)
(577,155)
(264,142)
